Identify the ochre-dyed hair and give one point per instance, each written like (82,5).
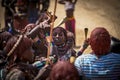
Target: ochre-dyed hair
(21,2)
(4,37)
(64,70)
(20,23)
(20,50)
(100,41)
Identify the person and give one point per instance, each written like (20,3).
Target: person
(83,47)
(60,47)
(19,22)
(33,11)
(69,20)
(45,5)
(20,19)
(19,56)
(38,33)
(9,11)
(4,37)
(64,70)
(59,51)
(115,45)
(101,64)
(70,37)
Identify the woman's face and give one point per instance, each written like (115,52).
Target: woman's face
(58,37)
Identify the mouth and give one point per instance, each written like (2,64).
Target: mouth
(58,41)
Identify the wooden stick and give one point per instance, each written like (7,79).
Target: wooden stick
(51,30)
(53,18)
(86,32)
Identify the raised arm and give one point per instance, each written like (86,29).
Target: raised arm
(74,1)
(83,47)
(62,21)
(61,1)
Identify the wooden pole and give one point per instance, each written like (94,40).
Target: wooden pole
(86,32)
(51,30)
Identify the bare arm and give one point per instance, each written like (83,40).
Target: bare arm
(84,47)
(62,21)
(61,1)
(74,1)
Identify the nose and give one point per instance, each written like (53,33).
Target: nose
(57,35)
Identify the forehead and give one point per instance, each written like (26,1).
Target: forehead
(57,31)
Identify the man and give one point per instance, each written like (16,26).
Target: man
(101,64)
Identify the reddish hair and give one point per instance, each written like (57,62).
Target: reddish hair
(100,41)
(21,2)
(64,70)
(20,23)
(24,45)
(4,37)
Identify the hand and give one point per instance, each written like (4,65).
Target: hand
(86,44)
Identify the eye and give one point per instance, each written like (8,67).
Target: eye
(60,34)
(54,34)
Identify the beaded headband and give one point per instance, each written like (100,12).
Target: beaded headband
(15,45)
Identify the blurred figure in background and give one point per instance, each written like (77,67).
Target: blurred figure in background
(9,6)
(33,12)
(45,5)
(69,20)
(20,17)
(115,45)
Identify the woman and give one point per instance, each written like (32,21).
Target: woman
(19,54)
(61,49)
